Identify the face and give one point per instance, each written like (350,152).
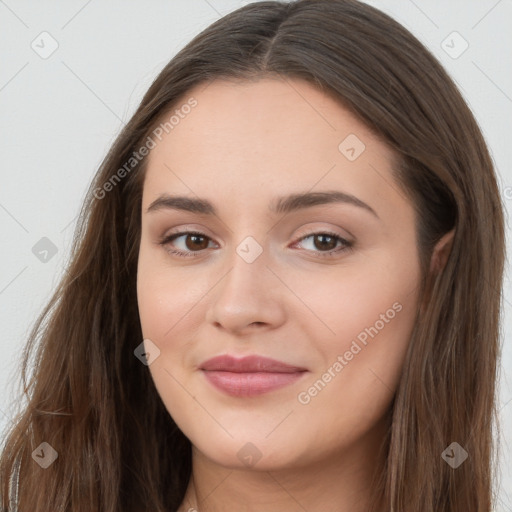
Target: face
(325,284)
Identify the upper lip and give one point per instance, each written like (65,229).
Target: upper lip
(248,364)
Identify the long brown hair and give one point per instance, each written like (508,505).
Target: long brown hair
(94,402)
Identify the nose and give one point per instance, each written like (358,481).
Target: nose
(248,296)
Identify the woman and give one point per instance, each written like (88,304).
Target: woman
(207,351)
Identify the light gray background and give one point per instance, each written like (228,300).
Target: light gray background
(60,115)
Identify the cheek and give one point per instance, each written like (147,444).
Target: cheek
(371,316)
(164,297)
(152,300)
(163,303)
(378,291)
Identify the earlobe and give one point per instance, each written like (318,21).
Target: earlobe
(441,252)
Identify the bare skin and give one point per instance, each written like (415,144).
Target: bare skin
(311,448)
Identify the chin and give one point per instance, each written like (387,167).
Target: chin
(252,453)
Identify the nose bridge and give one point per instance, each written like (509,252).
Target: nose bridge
(249,240)
(242,297)
(249,262)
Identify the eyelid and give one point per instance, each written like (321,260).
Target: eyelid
(322,230)
(303,232)
(169,237)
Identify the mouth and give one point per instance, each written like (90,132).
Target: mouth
(250,375)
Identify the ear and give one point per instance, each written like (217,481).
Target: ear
(441,252)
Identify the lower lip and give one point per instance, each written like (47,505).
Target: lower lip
(250,384)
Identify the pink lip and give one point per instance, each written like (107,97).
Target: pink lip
(250,375)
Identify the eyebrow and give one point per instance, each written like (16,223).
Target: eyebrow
(279,205)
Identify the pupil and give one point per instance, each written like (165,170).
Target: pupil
(195,238)
(332,245)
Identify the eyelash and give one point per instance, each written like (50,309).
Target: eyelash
(322,254)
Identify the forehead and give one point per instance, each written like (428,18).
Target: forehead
(243,137)
(254,113)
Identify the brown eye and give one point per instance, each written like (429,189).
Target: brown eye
(194,243)
(326,242)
